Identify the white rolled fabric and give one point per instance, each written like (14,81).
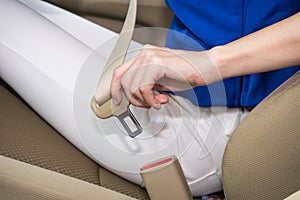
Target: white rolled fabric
(47,55)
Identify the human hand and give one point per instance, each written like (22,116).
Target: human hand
(161,69)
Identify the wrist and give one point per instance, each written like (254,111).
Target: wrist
(218,57)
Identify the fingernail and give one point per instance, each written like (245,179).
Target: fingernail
(157,106)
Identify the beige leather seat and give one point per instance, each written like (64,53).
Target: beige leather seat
(260,162)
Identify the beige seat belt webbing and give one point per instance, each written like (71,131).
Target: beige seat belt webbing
(102,103)
(164,179)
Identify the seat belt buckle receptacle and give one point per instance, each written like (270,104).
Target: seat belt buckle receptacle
(164,179)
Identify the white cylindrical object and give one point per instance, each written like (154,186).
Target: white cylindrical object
(46,55)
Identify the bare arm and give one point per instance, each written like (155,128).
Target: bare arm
(274,47)
(154,68)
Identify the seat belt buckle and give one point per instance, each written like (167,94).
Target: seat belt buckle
(164,179)
(122,112)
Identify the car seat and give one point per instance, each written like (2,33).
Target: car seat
(38,163)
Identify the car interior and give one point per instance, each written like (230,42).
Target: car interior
(261,160)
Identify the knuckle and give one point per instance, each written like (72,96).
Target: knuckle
(117,73)
(155,59)
(148,50)
(148,47)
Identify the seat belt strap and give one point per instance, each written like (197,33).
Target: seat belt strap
(164,179)
(102,103)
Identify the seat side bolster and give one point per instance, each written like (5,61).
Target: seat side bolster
(19,180)
(295,196)
(261,160)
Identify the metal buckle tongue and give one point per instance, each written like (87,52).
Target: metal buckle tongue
(130,123)
(123,113)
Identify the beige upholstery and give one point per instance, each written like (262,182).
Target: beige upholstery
(295,196)
(113,182)
(19,180)
(111,13)
(262,159)
(26,137)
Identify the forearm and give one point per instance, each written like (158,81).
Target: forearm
(274,47)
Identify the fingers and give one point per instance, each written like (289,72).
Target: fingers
(123,79)
(141,87)
(138,78)
(162,98)
(138,86)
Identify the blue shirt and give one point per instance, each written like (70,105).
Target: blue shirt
(218,22)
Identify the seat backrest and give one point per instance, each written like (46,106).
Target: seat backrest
(262,159)
(111,13)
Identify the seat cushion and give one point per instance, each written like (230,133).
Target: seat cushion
(26,137)
(118,184)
